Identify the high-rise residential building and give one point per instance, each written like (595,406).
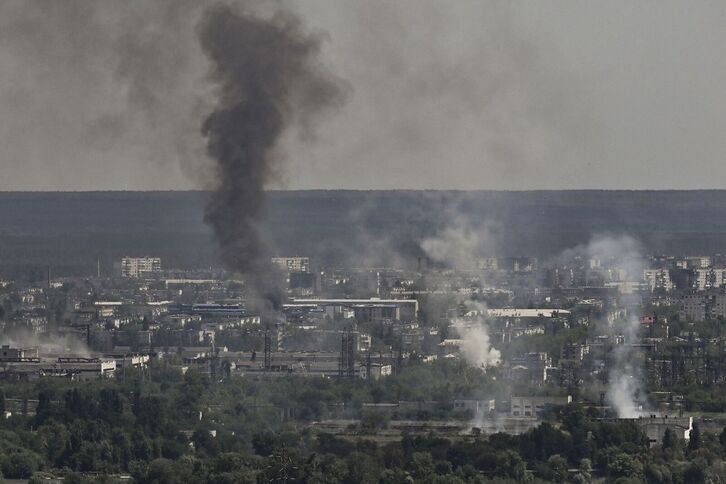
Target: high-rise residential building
(709,278)
(139,266)
(718,308)
(658,279)
(693,307)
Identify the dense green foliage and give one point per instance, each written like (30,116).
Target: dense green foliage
(164,427)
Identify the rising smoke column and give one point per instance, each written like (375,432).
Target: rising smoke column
(625,379)
(473,330)
(625,372)
(268,80)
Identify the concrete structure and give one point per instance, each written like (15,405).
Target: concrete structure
(658,279)
(655,426)
(376,371)
(702,306)
(718,308)
(450,347)
(534,406)
(235,312)
(530,368)
(319,340)
(518,313)
(694,262)
(10,354)
(124,361)
(709,278)
(190,282)
(487,264)
(479,408)
(107,309)
(72,368)
(402,407)
(693,307)
(82,368)
(373,309)
(135,267)
(574,351)
(292,264)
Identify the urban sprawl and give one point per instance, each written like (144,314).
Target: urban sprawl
(626,339)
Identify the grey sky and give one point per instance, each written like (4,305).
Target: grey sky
(465,94)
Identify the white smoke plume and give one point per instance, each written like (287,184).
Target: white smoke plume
(473,330)
(621,254)
(47,344)
(626,373)
(621,395)
(460,243)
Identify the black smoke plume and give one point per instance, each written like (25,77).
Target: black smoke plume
(268,79)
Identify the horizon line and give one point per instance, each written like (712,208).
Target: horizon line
(364,190)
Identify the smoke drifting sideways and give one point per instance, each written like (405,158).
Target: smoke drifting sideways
(47,344)
(625,378)
(460,243)
(268,81)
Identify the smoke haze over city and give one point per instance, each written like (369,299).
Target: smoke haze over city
(378,242)
(470,95)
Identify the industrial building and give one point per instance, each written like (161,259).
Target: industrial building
(535,406)
(655,426)
(525,314)
(79,369)
(373,309)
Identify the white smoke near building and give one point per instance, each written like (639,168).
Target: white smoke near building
(477,348)
(458,245)
(473,330)
(62,345)
(625,382)
(621,394)
(621,256)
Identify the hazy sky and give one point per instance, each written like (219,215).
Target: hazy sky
(466,94)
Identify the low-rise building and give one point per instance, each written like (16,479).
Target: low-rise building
(10,354)
(292,264)
(535,406)
(655,426)
(479,408)
(71,368)
(373,309)
(530,368)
